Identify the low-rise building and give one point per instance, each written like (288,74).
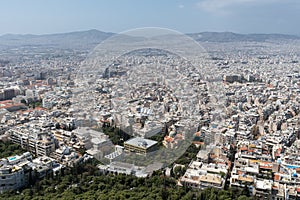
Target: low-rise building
(202,175)
(140,145)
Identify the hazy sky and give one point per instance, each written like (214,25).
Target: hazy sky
(241,16)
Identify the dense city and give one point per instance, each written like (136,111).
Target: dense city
(244,125)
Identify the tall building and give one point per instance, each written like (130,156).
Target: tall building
(14,172)
(9,94)
(40,143)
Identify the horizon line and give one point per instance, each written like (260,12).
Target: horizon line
(110,32)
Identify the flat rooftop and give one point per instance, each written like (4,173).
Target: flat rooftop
(141,142)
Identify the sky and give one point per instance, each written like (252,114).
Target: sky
(187,16)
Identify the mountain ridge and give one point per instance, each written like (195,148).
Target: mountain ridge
(90,38)
(231,36)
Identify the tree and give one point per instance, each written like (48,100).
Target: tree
(243,197)
(23,101)
(178,171)
(92,185)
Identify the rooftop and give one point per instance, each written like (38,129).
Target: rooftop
(141,142)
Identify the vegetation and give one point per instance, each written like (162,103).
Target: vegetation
(116,135)
(85,181)
(158,137)
(34,104)
(189,155)
(10,149)
(178,172)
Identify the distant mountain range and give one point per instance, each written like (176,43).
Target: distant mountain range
(80,39)
(234,37)
(89,39)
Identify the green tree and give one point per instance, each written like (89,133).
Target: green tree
(243,197)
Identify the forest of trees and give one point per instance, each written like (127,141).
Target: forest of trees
(188,155)
(85,181)
(10,149)
(116,135)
